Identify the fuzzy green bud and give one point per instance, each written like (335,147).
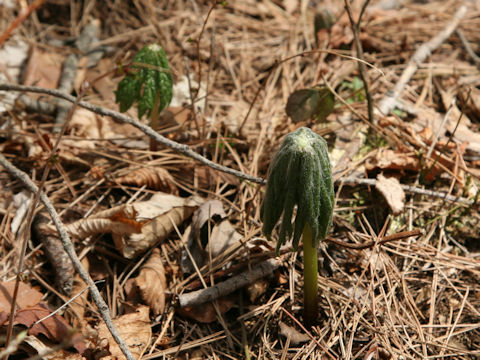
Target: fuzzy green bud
(299,175)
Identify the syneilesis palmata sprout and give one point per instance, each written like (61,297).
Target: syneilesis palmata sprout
(300,182)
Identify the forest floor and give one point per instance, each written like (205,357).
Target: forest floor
(399,272)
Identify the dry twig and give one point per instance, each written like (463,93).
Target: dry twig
(67,244)
(388,103)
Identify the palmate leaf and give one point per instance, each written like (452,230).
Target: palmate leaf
(315,103)
(149,77)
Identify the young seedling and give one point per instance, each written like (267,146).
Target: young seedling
(148,82)
(300,176)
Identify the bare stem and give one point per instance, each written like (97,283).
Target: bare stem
(310,278)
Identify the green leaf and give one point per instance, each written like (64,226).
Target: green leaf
(149,78)
(315,103)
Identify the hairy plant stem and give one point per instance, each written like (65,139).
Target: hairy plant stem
(310,278)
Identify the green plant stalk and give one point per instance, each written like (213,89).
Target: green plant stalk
(310,278)
(154,120)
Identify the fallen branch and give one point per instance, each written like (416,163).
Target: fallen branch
(388,103)
(380,241)
(181,148)
(67,244)
(228,286)
(411,189)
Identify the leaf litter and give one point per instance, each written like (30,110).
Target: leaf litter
(408,298)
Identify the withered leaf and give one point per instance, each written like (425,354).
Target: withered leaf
(315,103)
(154,178)
(26,296)
(134,328)
(152,283)
(206,313)
(295,336)
(138,226)
(393,193)
(208,239)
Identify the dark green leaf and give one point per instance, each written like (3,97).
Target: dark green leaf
(148,80)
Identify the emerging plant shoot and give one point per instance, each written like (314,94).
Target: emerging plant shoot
(300,177)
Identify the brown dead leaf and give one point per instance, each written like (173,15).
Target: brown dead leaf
(203,244)
(205,313)
(27,296)
(393,193)
(295,336)
(257,289)
(138,226)
(44,68)
(470,101)
(152,283)
(54,327)
(386,159)
(134,328)
(156,179)
(98,78)
(47,235)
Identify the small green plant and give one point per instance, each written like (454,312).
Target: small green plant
(357,89)
(148,82)
(300,177)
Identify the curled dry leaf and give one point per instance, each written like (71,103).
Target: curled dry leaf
(138,226)
(152,283)
(154,178)
(208,239)
(27,296)
(257,289)
(295,336)
(55,252)
(206,313)
(389,159)
(30,310)
(134,328)
(393,193)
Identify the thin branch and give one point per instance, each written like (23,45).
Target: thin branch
(466,45)
(380,241)
(228,286)
(388,103)
(181,148)
(68,246)
(411,189)
(358,46)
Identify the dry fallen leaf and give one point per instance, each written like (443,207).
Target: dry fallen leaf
(208,239)
(389,159)
(205,313)
(26,296)
(44,68)
(30,310)
(257,289)
(393,193)
(152,283)
(154,178)
(138,226)
(134,328)
(295,336)
(45,234)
